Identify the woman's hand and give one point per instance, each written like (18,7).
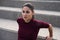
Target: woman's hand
(48,38)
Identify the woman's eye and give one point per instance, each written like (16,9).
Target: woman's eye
(23,11)
(27,12)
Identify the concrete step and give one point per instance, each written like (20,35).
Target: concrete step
(38,0)
(9,15)
(40,5)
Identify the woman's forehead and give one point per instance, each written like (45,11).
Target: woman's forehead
(25,8)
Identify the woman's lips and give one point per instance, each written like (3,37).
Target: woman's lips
(25,17)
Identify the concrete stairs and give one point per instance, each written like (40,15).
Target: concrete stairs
(11,10)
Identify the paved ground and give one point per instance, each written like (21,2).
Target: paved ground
(13,26)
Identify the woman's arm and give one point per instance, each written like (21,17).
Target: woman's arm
(50,32)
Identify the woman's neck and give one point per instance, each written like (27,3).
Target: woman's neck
(27,21)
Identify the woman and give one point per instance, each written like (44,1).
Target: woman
(28,26)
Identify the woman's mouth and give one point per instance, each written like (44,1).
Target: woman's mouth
(25,17)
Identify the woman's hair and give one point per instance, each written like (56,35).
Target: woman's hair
(30,6)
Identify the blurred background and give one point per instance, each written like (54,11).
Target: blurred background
(46,10)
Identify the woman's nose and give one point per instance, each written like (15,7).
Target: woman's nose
(24,14)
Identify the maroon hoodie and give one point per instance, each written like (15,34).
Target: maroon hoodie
(29,31)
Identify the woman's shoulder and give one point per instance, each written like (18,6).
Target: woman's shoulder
(42,24)
(40,21)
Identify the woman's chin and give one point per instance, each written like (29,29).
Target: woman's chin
(25,19)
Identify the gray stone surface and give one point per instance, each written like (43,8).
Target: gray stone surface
(52,6)
(9,15)
(39,0)
(7,35)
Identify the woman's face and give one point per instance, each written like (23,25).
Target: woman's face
(27,13)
